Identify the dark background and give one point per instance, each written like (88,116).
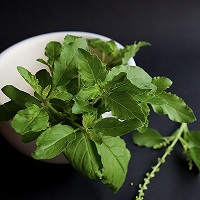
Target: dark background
(173,29)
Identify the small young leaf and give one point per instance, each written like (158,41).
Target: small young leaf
(30,79)
(69,39)
(79,42)
(176,109)
(45,81)
(130,51)
(53,141)
(45,92)
(60,92)
(162,83)
(44,62)
(44,78)
(52,51)
(89,118)
(115,159)
(90,68)
(82,106)
(18,96)
(149,138)
(123,106)
(108,47)
(146,110)
(113,127)
(83,156)
(31,119)
(88,93)
(124,54)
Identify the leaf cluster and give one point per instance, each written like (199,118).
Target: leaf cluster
(83,79)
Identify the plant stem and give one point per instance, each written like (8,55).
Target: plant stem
(75,124)
(103,56)
(79,82)
(60,115)
(161,160)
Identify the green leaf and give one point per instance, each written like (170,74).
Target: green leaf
(149,138)
(115,158)
(72,86)
(83,156)
(30,79)
(162,83)
(192,138)
(176,109)
(108,47)
(31,119)
(45,92)
(195,155)
(60,92)
(123,106)
(117,82)
(149,97)
(146,110)
(90,68)
(89,118)
(124,54)
(44,62)
(44,78)
(113,127)
(130,51)
(193,142)
(45,81)
(53,141)
(18,96)
(30,136)
(65,68)
(52,51)
(135,74)
(82,106)
(8,110)
(88,93)
(72,38)
(121,83)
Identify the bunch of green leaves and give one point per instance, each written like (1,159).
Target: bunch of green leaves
(78,85)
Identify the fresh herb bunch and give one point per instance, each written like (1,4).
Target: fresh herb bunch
(84,79)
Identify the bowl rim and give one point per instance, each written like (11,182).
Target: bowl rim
(84,34)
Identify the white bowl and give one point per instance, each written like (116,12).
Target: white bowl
(24,54)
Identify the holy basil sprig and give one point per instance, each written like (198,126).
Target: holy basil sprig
(151,138)
(84,79)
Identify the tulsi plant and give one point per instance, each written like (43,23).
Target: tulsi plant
(83,80)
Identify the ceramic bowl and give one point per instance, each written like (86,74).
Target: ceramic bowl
(24,54)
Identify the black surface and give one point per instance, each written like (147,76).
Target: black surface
(173,29)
